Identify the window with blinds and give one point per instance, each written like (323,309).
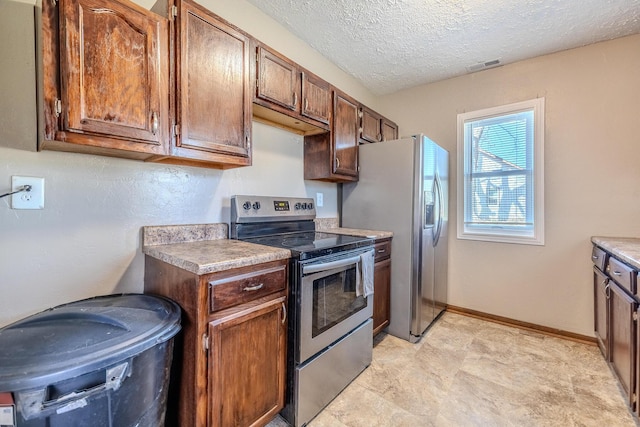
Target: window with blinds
(500,173)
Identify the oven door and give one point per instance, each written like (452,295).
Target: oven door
(329,307)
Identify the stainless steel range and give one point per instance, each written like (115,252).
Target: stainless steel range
(330,327)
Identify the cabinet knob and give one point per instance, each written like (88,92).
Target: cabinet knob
(295,99)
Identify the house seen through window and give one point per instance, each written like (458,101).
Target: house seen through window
(500,173)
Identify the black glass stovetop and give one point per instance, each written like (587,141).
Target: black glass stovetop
(312,244)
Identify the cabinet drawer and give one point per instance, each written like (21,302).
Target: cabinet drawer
(229,291)
(599,258)
(383,250)
(624,275)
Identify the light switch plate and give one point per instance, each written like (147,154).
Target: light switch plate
(32,199)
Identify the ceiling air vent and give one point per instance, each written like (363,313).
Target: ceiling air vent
(483,65)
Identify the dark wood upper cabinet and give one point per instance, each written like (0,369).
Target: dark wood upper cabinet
(333,156)
(345,135)
(370,125)
(376,128)
(105,72)
(183,87)
(277,80)
(316,98)
(289,96)
(389,130)
(213,95)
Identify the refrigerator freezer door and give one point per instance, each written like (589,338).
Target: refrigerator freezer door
(382,199)
(425,174)
(441,248)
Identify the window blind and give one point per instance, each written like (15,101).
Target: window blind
(499,176)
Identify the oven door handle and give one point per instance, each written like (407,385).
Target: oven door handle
(314,268)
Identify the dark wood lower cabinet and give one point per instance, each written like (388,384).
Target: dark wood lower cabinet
(382,286)
(616,320)
(601,310)
(230,357)
(623,339)
(247,366)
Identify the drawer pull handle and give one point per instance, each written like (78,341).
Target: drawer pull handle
(594,257)
(253,288)
(616,273)
(381,251)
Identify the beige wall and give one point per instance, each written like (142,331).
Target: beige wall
(86,241)
(592,176)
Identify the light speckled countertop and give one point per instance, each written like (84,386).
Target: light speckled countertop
(372,234)
(204,248)
(626,249)
(330,225)
(208,256)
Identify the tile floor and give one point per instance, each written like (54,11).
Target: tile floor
(470,372)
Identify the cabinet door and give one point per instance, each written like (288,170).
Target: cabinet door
(247,366)
(277,80)
(389,130)
(345,135)
(370,126)
(213,94)
(601,310)
(316,98)
(623,338)
(113,72)
(381,295)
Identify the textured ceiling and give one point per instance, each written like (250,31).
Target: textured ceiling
(391,45)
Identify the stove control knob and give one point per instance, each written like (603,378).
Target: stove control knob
(304,205)
(297,206)
(309,205)
(256,205)
(246,206)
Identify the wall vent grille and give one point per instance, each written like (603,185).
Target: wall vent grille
(484,65)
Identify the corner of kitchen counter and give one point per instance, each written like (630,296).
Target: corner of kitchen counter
(210,256)
(370,234)
(625,248)
(170,234)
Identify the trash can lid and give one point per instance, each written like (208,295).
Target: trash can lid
(83,336)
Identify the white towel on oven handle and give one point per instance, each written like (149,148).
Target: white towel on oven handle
(364,274)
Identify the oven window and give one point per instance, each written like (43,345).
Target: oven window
(334,299)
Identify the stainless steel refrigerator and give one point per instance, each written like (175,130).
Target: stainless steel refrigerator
(403,187)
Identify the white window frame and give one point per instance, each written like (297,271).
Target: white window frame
(534,236)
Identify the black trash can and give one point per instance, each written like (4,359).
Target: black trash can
(102,361)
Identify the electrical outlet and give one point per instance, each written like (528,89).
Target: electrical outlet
(319,200)
(32,199)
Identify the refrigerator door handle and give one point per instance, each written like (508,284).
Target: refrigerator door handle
(438,228)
